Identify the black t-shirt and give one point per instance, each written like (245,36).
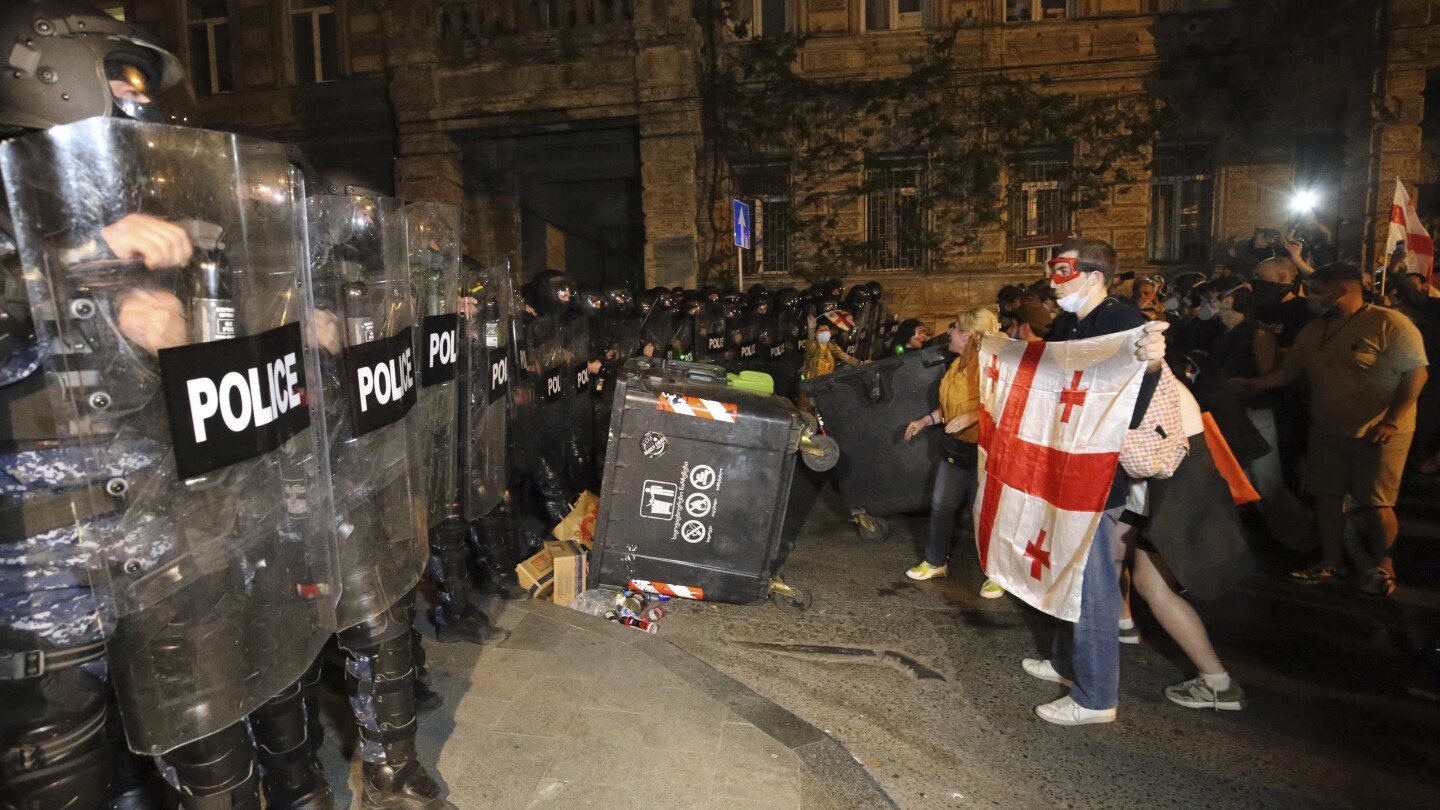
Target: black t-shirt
(1109,317)
(1284,319)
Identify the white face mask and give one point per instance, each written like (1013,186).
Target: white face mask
(1075,300)
(823,337)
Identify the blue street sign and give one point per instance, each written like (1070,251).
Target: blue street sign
(742,225)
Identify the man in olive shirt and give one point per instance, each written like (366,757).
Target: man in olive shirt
(1365,366)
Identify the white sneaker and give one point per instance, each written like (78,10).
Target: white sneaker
(1066,712)
(1042,669)
(927,571)
(991,590)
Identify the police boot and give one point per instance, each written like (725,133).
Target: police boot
(129,791)
(426,699)
(490,538)
(286,748)
(380,677)
(555,495)
(457,618)
(216,772)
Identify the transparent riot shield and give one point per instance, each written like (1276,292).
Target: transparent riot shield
(366,317)
(487,358)
(432,247)
(214,567)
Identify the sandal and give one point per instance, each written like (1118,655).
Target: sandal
(1377,584)
(1318,575)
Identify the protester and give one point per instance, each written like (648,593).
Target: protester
(1086,655)
(959,414)
(910,336)
(1366,366)
(1189,536)
(1412,298)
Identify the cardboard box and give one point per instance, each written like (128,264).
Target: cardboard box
(537,574)
(570,562)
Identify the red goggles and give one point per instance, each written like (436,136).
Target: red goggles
(1068,269)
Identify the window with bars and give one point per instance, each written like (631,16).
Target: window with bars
(315,40)
(894,15)
(1182,202)
(760,18)
(1033,10)
(766,188)
(207,25)
(1039,202)
(894,218)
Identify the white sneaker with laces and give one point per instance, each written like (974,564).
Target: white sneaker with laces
(1066,712)
(1042,669)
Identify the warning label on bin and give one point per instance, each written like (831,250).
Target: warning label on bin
(697,407)
(658,499)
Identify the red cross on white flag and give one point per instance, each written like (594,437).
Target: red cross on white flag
(1052,420)
(1407,232)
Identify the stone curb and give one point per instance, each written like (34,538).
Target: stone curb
(842,779)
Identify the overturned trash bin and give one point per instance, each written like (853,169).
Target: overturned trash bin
(697,480)
(865,410)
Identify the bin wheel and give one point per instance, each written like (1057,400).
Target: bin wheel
(812,424)
(871,528)
(792,599)
(820,453)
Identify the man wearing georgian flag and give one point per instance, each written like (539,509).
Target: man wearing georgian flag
(1053,417)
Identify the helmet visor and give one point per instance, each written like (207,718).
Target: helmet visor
(150,86)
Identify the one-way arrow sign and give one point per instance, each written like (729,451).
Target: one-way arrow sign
(742,225)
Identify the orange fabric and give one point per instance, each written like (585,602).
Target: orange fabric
(1240,488)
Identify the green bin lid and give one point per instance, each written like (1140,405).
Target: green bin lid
(755,382)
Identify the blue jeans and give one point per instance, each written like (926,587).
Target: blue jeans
(954,490)
(1088,651)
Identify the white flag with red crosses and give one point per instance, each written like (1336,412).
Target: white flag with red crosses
(1408,236)
(1052,419)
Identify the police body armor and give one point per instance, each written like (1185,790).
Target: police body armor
(362,287)
(214,563)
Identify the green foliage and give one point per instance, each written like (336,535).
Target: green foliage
(967,124)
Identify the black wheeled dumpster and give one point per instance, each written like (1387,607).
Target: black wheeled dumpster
(697,482)
(865,410)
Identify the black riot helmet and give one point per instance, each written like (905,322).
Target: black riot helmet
(710,293)
(877,292)
(732,298)
(664,299)
(858,297)
(618,302)
(589,302)
(69,61)
(787,300)
(826,304)
(760,303)
(644,302)
(550,292)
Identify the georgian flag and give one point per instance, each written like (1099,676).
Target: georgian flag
(1408,236)
(1052,419)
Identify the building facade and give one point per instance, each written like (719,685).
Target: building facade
(573,131)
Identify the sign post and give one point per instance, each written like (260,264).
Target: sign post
(742,222)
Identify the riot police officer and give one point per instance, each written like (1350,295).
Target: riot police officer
(195,646)
(367,312)
(433,235)
(544,397)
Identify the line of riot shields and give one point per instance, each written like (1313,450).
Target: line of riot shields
(271,438)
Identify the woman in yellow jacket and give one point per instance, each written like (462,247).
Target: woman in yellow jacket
(959,414)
